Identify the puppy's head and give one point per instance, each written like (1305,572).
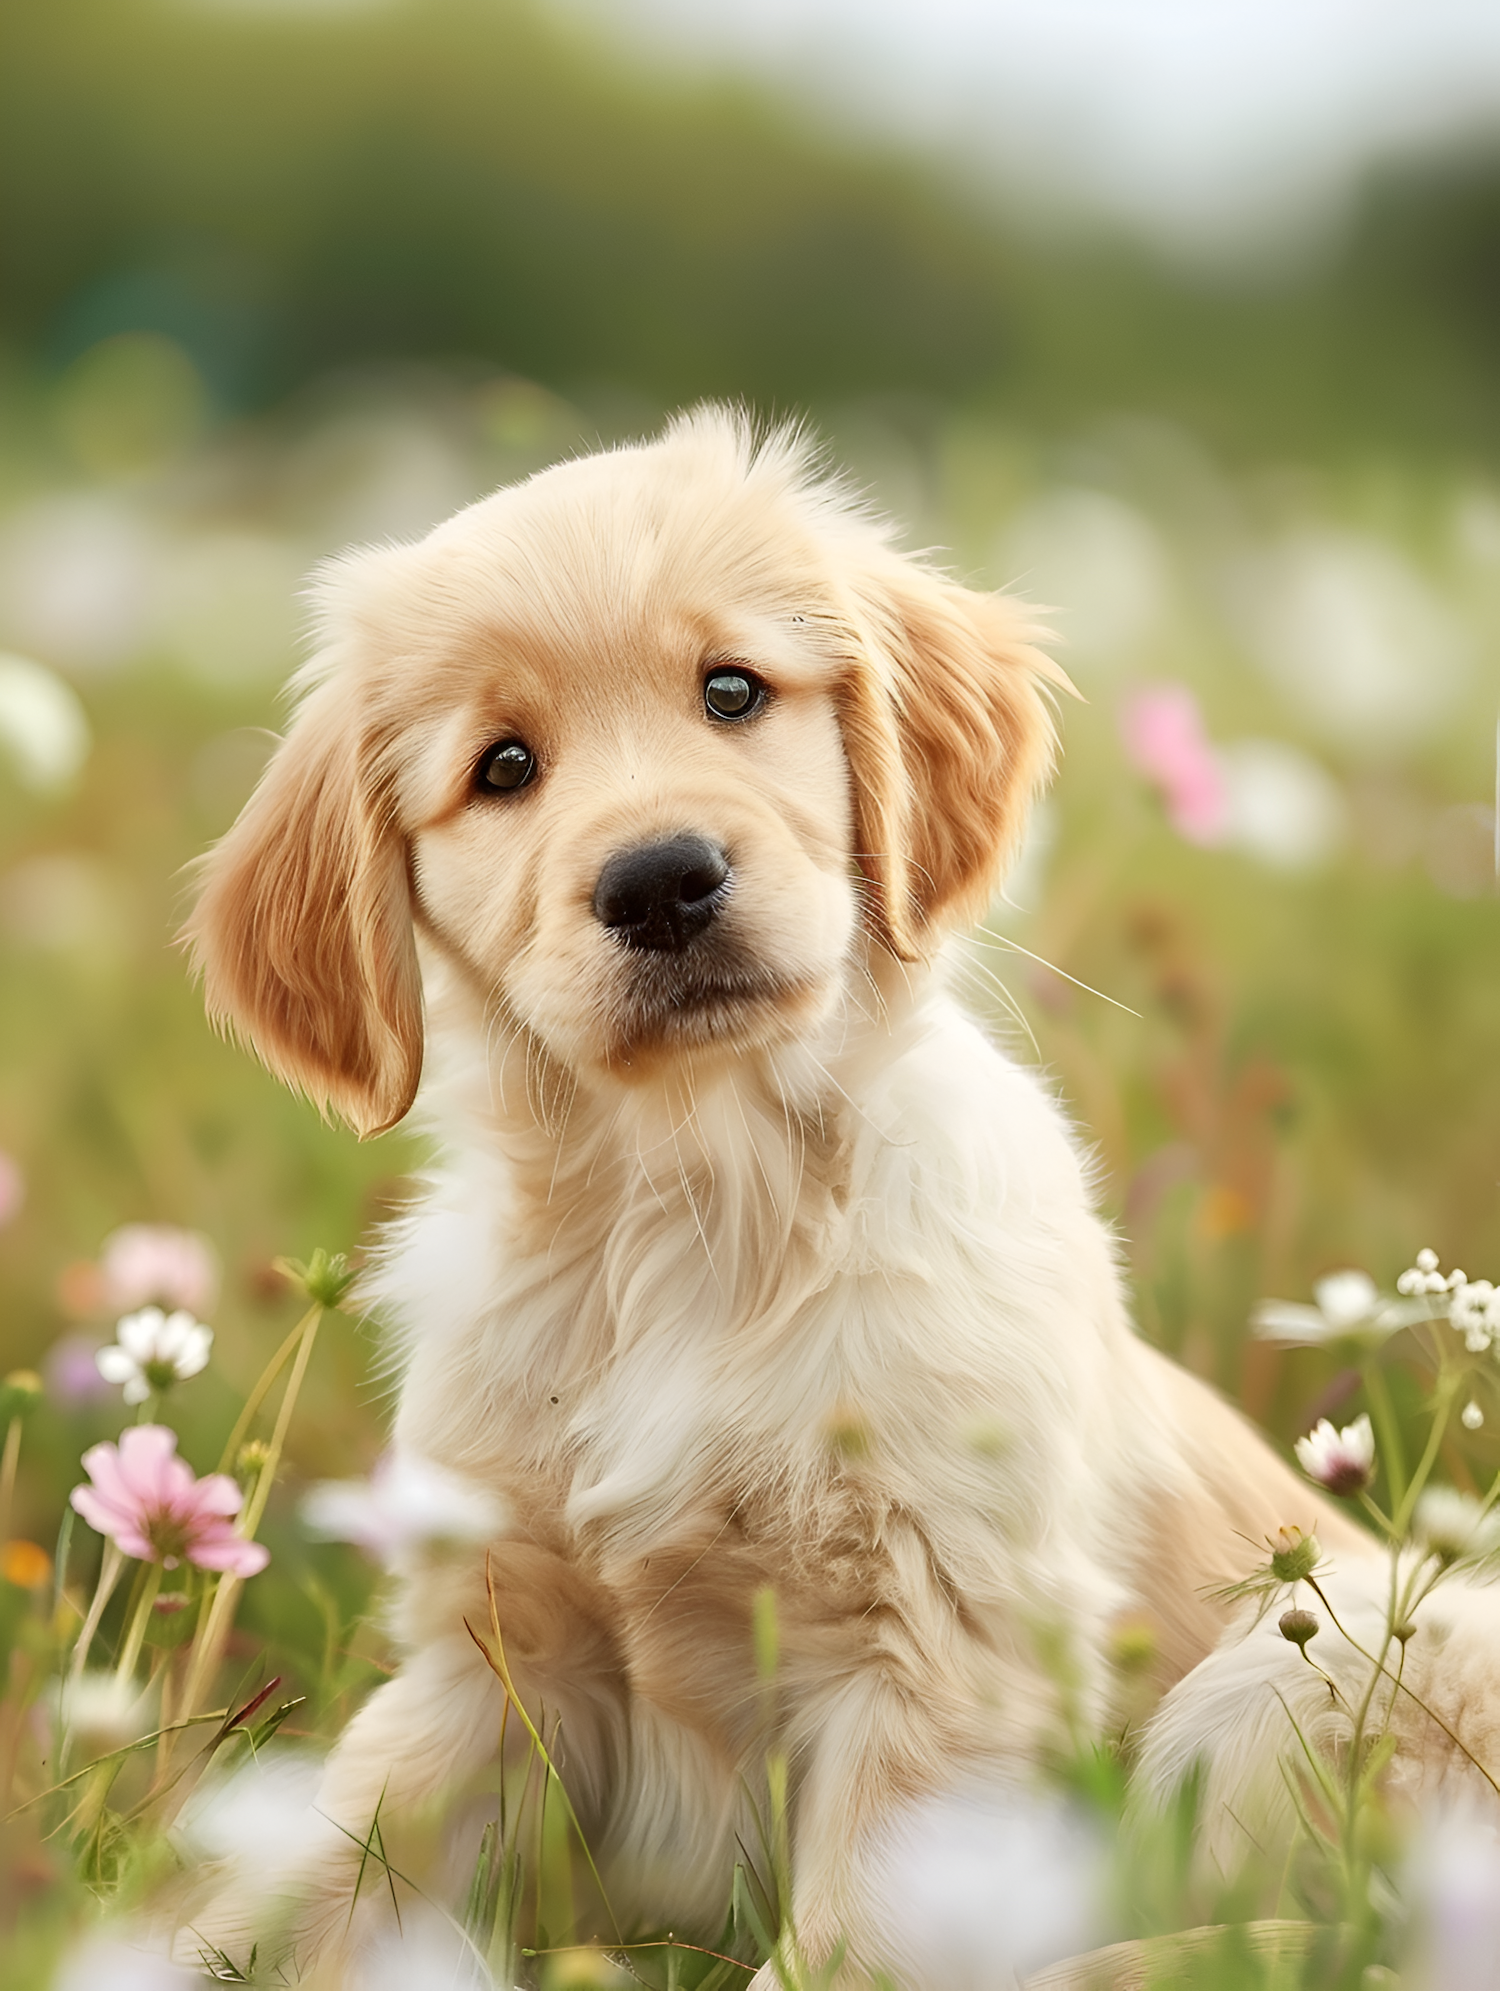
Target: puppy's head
(647,748)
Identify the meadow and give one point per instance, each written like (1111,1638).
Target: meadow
(267,290)
(1276,1025)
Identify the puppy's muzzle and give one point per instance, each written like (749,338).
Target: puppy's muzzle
(661,896)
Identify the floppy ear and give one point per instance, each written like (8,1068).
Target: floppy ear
(302,931)
(949,738)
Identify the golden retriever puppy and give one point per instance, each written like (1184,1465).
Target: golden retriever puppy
(619,831)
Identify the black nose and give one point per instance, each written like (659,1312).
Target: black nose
(662,895)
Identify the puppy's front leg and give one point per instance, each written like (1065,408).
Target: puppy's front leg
(874,1752)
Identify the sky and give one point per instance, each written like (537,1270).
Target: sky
(1219,128)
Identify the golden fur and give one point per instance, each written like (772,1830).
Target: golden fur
(748,1265)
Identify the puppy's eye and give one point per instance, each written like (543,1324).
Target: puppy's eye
(733,694)
(505,767)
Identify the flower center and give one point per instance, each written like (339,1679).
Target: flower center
(168,1536)
(159,1373)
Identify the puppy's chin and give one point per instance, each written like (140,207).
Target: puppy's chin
(649,1012)
(680,1010)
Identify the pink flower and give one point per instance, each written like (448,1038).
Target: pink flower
(157,1264)
(146,1499)
(12,1187)
(1162,729)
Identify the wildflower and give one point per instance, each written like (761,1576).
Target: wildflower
(72,1370)
(407,1503)
(988,1885)
(1348,1305)
(1452,1886)
(1293,1555)
(20,1392)
(1342,1461)
(42,724)
(12,1187)
(1297,1627)
(262,1811)
(1471,1416)
(153,1351)
(145,1264)
(26,1564)
(1475,1311)
(1452,1525)
(1162,729)
(325,1278)
(147,1500)
(114,1959)
(101,1712)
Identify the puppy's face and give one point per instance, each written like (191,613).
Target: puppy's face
(637,835)
(647,748)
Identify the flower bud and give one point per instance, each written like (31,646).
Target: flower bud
(1298,1627)
(20,1392)
(1294,1555)
(251,1459)
(325,1278)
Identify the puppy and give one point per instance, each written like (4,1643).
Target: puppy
(619,831)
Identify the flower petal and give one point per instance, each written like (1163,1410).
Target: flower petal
(1285,1320)
(216,1494)
(1346,1298)
(147,1456)
(229,1551)
(116,1365)
(193,1354)
(139,1333)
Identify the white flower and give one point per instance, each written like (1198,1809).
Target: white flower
(101,1713)
(262,1811)
(1425,1277)
(1475,1311)
(1342,1461)
(407,1503)
(112,1961)
(983,1886)
(1452,1887)
(1452,1524)
(153,1351)
(1471,1416)
(1348,1306)
(42,723)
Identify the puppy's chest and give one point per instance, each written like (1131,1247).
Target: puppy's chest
(686,1608)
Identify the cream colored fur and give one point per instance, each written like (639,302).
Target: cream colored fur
(778,1274)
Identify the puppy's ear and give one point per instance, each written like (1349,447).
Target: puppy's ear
(949,737)
(302,931)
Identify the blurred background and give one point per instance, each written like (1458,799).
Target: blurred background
(1181,316)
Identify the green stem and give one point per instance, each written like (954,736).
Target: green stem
(256,1505)
(219,1602)
(1388,1427)
(135,1634)
(8,1462)
(1447,1388)
(109,1576)
(258,1396)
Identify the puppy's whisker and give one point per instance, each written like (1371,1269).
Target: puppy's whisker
(1004,940)
(968,964)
